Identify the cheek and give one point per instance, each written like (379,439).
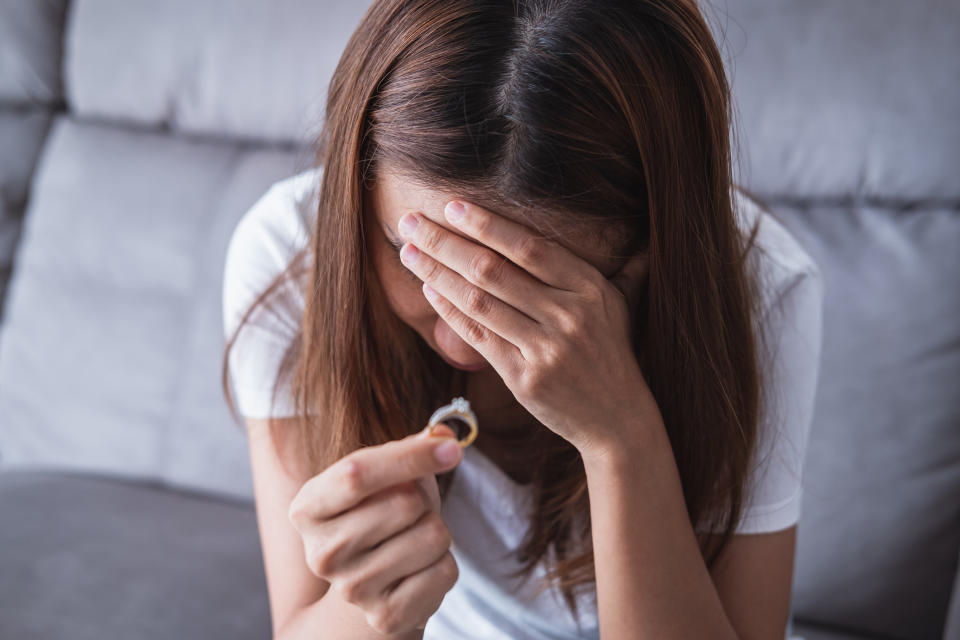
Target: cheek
(404,293)
(402,289)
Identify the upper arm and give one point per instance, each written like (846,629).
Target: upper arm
(291,585)
(753,577)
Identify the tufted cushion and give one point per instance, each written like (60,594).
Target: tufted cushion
(114,308)
(22,131)
(241,68)
(30,44)
(845,98)
(880,530)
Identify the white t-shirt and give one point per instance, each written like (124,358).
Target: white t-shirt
(485,510)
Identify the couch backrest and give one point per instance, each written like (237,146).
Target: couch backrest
(180,115)
(242,69)
(30,89)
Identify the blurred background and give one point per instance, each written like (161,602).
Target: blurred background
(135,134)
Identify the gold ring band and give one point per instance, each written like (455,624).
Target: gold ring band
(460,408)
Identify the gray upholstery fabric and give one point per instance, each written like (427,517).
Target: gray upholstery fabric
(22,132)
(952,627)
(802,631)
(115,312)
(880,526)
(243,68)
(89,558)
(838,98)
(30,51)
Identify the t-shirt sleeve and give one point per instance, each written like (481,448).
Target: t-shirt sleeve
(790,357)
(260,248)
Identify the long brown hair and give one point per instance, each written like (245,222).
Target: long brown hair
(613,114)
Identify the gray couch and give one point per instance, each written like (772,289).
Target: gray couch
(134,134)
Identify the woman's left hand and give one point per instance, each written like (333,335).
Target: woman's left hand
(551,325)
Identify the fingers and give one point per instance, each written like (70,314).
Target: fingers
(374,520)
(404,554)
(545,259)
(348,481)
(422,592)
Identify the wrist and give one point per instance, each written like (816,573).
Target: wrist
(630,441)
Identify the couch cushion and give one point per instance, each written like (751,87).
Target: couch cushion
(845,98)
(22,132)
(86,557)
(30,46)
(952,629)
(803,631)
(878,538)
(115,308)
(243,68)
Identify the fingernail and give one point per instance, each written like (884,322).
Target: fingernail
(408,224)
(448,452)
(409,254)
(454,211)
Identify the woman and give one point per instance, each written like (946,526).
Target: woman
(638,340)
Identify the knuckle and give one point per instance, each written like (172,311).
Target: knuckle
(351,476)
(551,358)
(531,249)
(351,589)
(475,332)
(356,587)
(431,271)
(531,381)
(449,569)
(487,269)
(479,224)
(385,619)
(295,513)
(321,559)
(431,238)
(569,320)
(478,302)
(596,287)
(437,534)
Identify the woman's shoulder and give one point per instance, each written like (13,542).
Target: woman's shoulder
(264,242)
(284,215)
(777,259)
(266,238)
(792,293)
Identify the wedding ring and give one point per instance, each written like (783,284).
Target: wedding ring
(458,408)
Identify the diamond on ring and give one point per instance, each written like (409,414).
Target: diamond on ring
(458,408)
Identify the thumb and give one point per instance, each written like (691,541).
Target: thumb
(439,430)
(428,483)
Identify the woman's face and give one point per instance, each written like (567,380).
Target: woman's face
(388,200)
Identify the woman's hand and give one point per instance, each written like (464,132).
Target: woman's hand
(551,325)
(371,527)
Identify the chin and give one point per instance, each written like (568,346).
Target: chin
(473,367)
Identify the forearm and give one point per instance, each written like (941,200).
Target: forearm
(331,618)
(652,581)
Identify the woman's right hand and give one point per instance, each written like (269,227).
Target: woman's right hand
(371,527)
